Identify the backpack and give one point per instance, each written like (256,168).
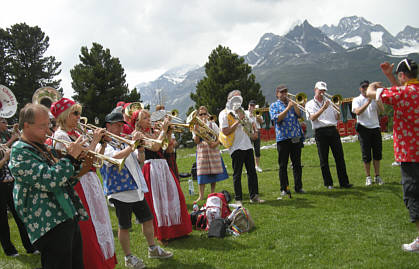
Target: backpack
(241,221)
(216,207)
(199,219)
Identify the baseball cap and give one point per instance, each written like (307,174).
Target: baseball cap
(114,116)
(320,85)
(364,83)
(252,102)
(281,87)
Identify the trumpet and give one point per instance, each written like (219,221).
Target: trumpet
(300,100)
(118,162)
(336,101)
(212,118)
(259,111)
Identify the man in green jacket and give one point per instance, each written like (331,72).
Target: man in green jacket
(43,194)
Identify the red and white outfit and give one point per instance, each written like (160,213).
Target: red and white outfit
(97,235)
(165,198)
(405,101)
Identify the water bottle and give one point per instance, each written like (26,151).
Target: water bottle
(191,190)
(195,207)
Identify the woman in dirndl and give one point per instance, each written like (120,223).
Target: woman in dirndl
(165,198)
(97,235)
(210,166)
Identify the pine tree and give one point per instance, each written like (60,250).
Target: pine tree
(226,71)
(99,82)
(24,66)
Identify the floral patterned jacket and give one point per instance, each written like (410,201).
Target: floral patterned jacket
(43,194)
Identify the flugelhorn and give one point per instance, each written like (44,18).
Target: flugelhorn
(118,162)
(200,128)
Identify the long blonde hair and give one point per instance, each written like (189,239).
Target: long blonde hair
(62,118)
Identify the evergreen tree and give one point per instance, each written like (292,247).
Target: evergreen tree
(27,69)
(99,82)
(225,71)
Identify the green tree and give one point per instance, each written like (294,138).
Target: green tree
(226,71)
(27,68)
(99,82)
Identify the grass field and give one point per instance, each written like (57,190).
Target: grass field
(361,227)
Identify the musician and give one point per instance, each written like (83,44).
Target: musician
(209,163)
(324,119)
(289,139)
(129,126)
(6,196)
(241,151)
(43,195)
(165,197)
(404,97)
(98,240)
(256,122)
(125,190)
(367,111)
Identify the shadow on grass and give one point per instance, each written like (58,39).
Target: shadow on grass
(178,264)
(295,201)
(194,241)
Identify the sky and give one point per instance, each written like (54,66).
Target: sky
(151,36)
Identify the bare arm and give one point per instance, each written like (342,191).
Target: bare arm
(316,115)
(387,69)
(359,110)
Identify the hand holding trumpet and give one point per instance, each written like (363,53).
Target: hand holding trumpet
(75,148)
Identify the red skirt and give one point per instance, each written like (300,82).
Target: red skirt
(92,254)
(172,231)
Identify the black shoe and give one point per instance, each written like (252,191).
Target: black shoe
(347,186)
(300,191)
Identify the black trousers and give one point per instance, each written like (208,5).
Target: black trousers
(410,182)
(286,149)
(329,137)
(6,201)
(62,247)
(240,157)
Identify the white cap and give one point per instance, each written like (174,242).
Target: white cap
(320,85)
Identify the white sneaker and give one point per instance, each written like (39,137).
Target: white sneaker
(259,169)
(159,253)
(133,262)
(379,180)
(368,181)
(412,247)
(330,187)
(239,203)
(395,164)
(283,193)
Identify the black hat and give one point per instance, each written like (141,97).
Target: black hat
(114,116)
(364,83)
(406,65)
(281,87)
(252,102)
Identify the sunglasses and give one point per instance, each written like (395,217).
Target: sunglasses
(76,113)
(203,114)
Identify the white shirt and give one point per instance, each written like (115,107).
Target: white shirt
(241,139)
(368,118)
(326,119)
(252,119)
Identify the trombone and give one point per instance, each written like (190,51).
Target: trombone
(118,162)
(300,100)
(336,101)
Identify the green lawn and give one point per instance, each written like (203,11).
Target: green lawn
(362,227)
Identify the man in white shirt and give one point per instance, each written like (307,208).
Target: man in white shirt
(324,119)
(241,152)
(369,133)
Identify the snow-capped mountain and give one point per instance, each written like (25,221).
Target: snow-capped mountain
(341,55)
(172,88)
(356,31)
(410,39)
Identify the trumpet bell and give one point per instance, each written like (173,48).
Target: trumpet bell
(301,98)
(131,108)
